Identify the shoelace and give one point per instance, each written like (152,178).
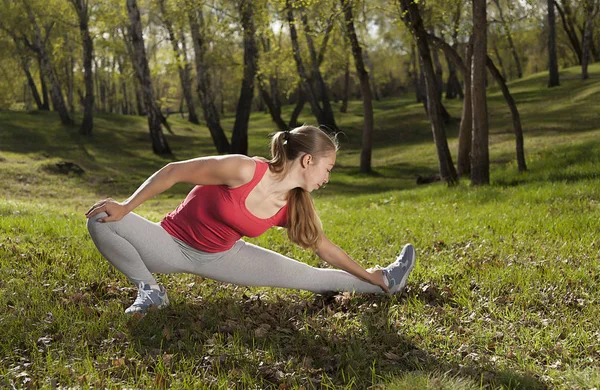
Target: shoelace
(142,296)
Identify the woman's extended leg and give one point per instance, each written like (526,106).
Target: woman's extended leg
(251,265)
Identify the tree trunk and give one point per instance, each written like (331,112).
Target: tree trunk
(369,64)
(40,49)
(414,22)
(415,74)
(453,87)
(466,123)
(439,72)
(81,7)
(514,112)
(45,100)
(274,109)
(499,59)
(298,108)
(31,83)
(511,44)
(553,79)
(159,142)
(480,164)
(325,112)
(239,137)
(591,10)
(569,22)
(570,31)
(205,91)
(183,69)
(271,99)
(346,92)
(306,83)
(365,87)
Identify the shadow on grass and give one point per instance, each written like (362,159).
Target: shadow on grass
(314,342)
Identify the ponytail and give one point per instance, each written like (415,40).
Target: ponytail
(304,226)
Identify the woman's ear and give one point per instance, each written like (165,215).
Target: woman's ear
(305,160)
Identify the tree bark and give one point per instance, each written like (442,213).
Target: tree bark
(514,112)
(159,142)
(591,10)
(365,87)
(439,72)
(480,165)
(181,57)
(81,7)
(311,95)
(569,30)
(298,108)
(316,79)
(31,82)
(511,44)
(274,109)
(271,99)
(465,134)
(346,91)
(45,100)
(499,59)
(239,137)
(40,48)
(205,91)
(414,21)
(553,79)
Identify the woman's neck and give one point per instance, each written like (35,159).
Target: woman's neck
(278,186)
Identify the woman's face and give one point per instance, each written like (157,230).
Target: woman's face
(317,170)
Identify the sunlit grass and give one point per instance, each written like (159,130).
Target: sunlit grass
(505,293)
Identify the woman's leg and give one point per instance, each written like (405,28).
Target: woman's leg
(136,246)
(250,265)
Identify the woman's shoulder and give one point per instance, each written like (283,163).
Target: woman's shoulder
(246,167)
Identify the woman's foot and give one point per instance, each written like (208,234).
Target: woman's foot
(397,272)
(147,298)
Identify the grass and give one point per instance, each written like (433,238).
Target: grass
(505,293)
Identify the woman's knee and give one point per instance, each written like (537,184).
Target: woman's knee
(93,224)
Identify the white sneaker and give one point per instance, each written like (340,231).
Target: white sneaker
(147,298)
(397,272)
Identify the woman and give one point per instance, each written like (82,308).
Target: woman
(237,196)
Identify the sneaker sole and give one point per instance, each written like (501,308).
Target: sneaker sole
(413,260)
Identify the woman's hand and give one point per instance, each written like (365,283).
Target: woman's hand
(115,210)
(376,278)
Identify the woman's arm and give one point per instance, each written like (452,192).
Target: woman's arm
(232,170)
(335,256)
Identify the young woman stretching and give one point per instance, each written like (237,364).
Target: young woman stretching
(237,196)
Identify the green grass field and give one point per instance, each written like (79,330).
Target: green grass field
(505,293)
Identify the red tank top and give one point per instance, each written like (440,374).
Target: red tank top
(212,218)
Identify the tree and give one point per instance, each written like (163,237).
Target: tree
(183,67)
(239,138)
(365,88)
(412,18)
(591,8)
(324,113)
(480,165)
(159,142)
(82,9)
(38,45)
(553,79)
(511,44)
(205,86)
(567,19)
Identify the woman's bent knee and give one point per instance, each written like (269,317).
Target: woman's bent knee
(93,224)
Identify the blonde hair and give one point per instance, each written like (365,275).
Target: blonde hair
(303,224)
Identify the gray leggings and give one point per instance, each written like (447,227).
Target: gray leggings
(138,247)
